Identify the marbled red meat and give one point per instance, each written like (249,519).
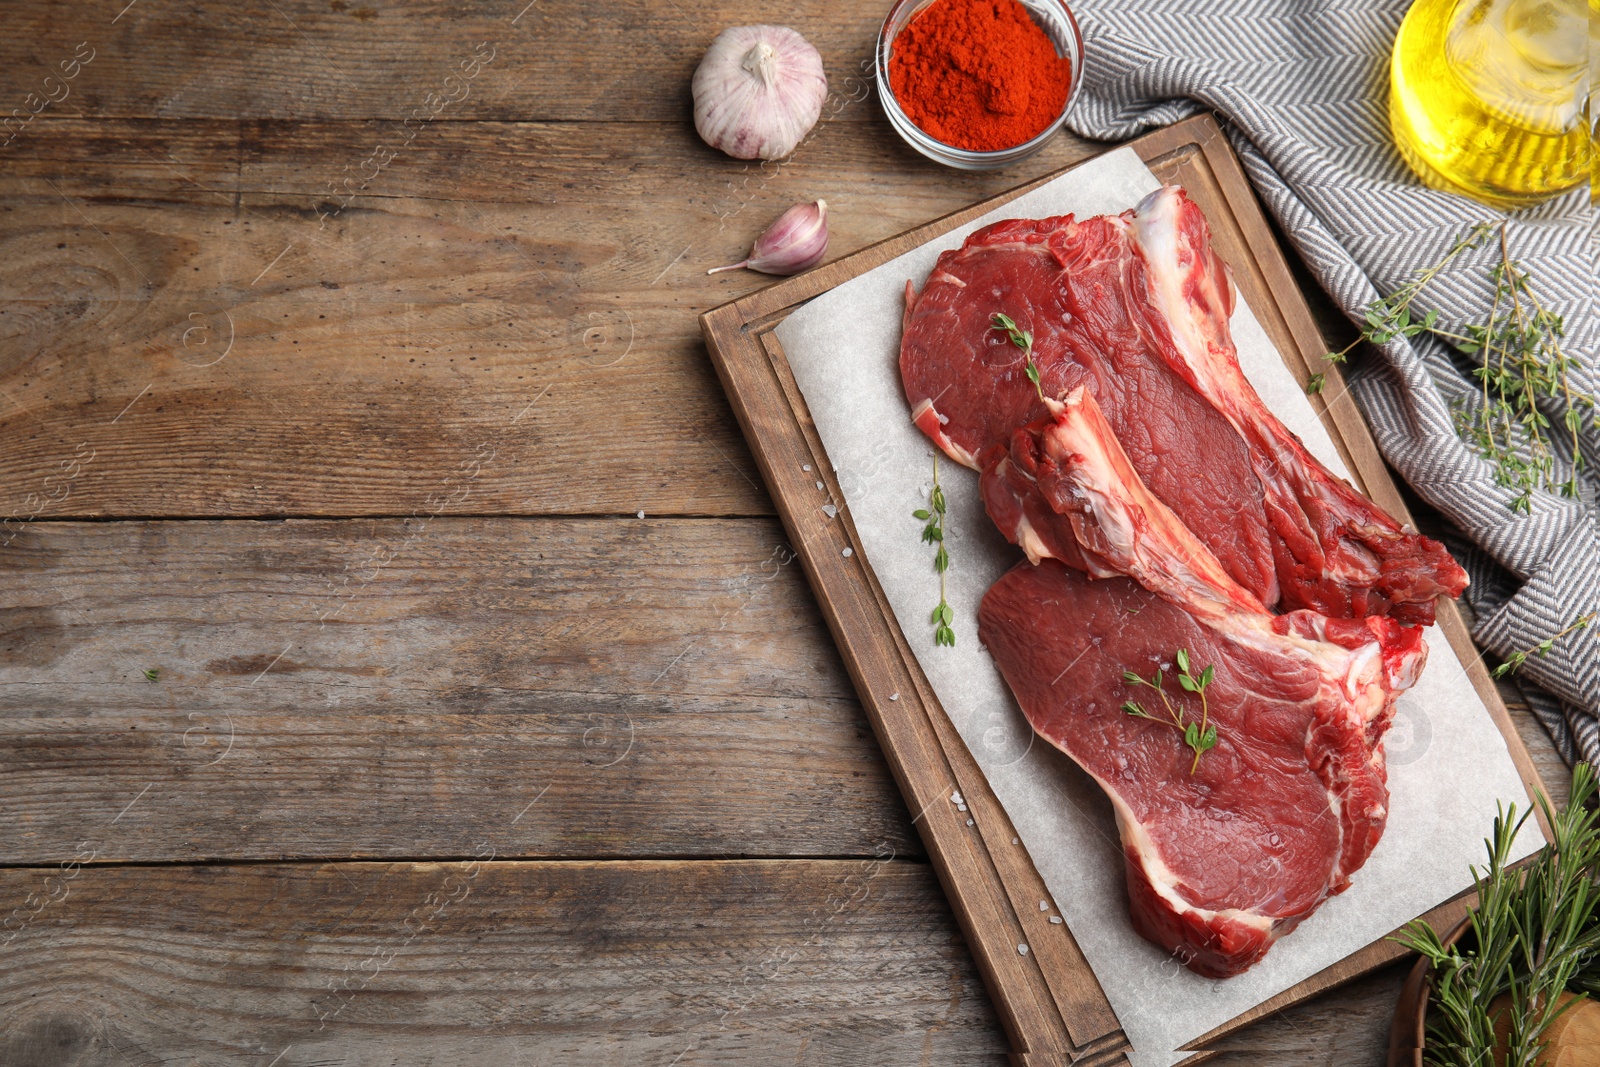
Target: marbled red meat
(1337,551)
(1135,307)
(1078,287)
(1273,820)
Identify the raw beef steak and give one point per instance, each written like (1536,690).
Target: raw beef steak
(1135,307)
(1078,287)
(1336,551)
(1227,852)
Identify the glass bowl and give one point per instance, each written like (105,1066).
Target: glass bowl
(1053,16)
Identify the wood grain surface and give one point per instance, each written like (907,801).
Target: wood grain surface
(382,687)
(423,281)
(513,300)
(472,962)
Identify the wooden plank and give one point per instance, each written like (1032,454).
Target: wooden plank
(295,59)
(1196,155)
(814,962)
(1554,774)
(616,781)
(187,335)
(383,688)
(447,615)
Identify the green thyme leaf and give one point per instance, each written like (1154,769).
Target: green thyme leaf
(933,534)
(1544,647)
(1023,339)
(1199,734)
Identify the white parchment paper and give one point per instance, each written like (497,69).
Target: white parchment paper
(1448,764)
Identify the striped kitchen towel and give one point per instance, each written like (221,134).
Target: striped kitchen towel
(1303,89)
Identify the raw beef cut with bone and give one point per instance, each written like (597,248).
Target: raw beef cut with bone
(1336,551)
(1079,287)
(1228,849)
(1134,307)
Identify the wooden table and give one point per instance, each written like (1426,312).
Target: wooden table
(400,661)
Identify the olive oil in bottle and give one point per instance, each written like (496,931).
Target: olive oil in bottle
(1490,97)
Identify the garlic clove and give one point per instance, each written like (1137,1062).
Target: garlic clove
(758,91)
(797,241)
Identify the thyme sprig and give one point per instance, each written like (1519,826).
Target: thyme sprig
(1519,346)
(1023,340)
(1534,933)
(1523,360)
(1518,658)
(933,534)
(1199,734)
(1389,316)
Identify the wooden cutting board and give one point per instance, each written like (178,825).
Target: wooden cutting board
(1048,998)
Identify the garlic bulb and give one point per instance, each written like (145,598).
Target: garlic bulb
(758,91)
(796,242)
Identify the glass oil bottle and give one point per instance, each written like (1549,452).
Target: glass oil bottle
(1491,98)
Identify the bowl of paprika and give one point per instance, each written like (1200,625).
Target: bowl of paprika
(978,84)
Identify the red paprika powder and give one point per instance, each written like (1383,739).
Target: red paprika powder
(978,74)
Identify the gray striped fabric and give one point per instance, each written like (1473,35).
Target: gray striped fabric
(1303,89)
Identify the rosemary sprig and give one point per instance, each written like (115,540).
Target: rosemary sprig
(1200,735)
(1518,658)
(933,534)
(1023,340)
(1534,933)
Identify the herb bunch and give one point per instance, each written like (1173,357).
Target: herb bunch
(933,534)
(1023,340)
(1199,734)
(1521,359)
(1534,934)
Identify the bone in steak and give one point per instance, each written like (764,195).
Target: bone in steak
(1290,802)
(1135,307)
(1336,551)
(1078,286)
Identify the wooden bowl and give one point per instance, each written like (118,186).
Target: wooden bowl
(1407,1034)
